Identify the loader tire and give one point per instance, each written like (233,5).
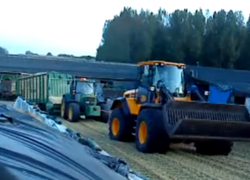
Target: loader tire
(150,133)
(120,126)
(74,112)
(216,147)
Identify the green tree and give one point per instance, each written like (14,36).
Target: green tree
(49,54)
(223,39)
(219,40)
(128,37)
(115,39)
(244,58)
(162,47)
(3,51)
(194,41)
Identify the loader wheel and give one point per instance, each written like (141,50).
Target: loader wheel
(74,112)
(217,147)
(150,133)
(120,126)
(64,109)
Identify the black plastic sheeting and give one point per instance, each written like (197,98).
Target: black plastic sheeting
(81,68)
(32,151)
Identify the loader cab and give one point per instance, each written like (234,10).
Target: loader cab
(171,74)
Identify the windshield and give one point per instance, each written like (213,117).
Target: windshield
(85,87)
(172,77)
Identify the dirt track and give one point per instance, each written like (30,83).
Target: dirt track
(176,164)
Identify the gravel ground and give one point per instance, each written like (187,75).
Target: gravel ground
(181,164)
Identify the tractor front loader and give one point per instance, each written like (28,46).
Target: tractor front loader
(166,108)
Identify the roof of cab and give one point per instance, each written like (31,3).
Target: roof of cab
(160,62)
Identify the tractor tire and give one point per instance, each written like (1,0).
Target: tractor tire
(74,112)
(151,135)
(216,147)
(120,126)
(64,109)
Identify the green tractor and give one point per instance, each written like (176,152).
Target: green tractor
(81,101)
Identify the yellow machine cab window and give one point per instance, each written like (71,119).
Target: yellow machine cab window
(170,74)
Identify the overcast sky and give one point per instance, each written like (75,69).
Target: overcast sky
(75,27)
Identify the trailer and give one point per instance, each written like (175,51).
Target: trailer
(45,89)
(7,84)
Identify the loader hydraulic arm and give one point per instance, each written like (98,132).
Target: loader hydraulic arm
(193,90)
(164,92)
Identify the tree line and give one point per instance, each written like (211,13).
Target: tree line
(4,51)
(217,40)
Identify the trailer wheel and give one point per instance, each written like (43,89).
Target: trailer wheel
(150,133)
(120,126)
(74,112)
(216,147)
(64,109)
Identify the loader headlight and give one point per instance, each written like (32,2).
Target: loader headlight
(206,93)
(87,102)
(152,88)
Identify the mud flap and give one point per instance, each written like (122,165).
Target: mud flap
(202,120)
(206,129)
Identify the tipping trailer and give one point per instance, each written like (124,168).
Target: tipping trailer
(8,83)
(165,109)
(45,89)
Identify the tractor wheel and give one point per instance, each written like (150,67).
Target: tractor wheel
(64,109)
(216,147)
(150,133)
(74,112)
(120,126)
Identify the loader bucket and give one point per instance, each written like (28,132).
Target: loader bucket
(201,120)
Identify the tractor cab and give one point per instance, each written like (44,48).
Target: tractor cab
(83,87)
(84,91)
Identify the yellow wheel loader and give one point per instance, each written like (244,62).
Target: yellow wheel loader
(164,109)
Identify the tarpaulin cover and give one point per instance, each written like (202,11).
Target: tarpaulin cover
(33,151)
(219,95)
